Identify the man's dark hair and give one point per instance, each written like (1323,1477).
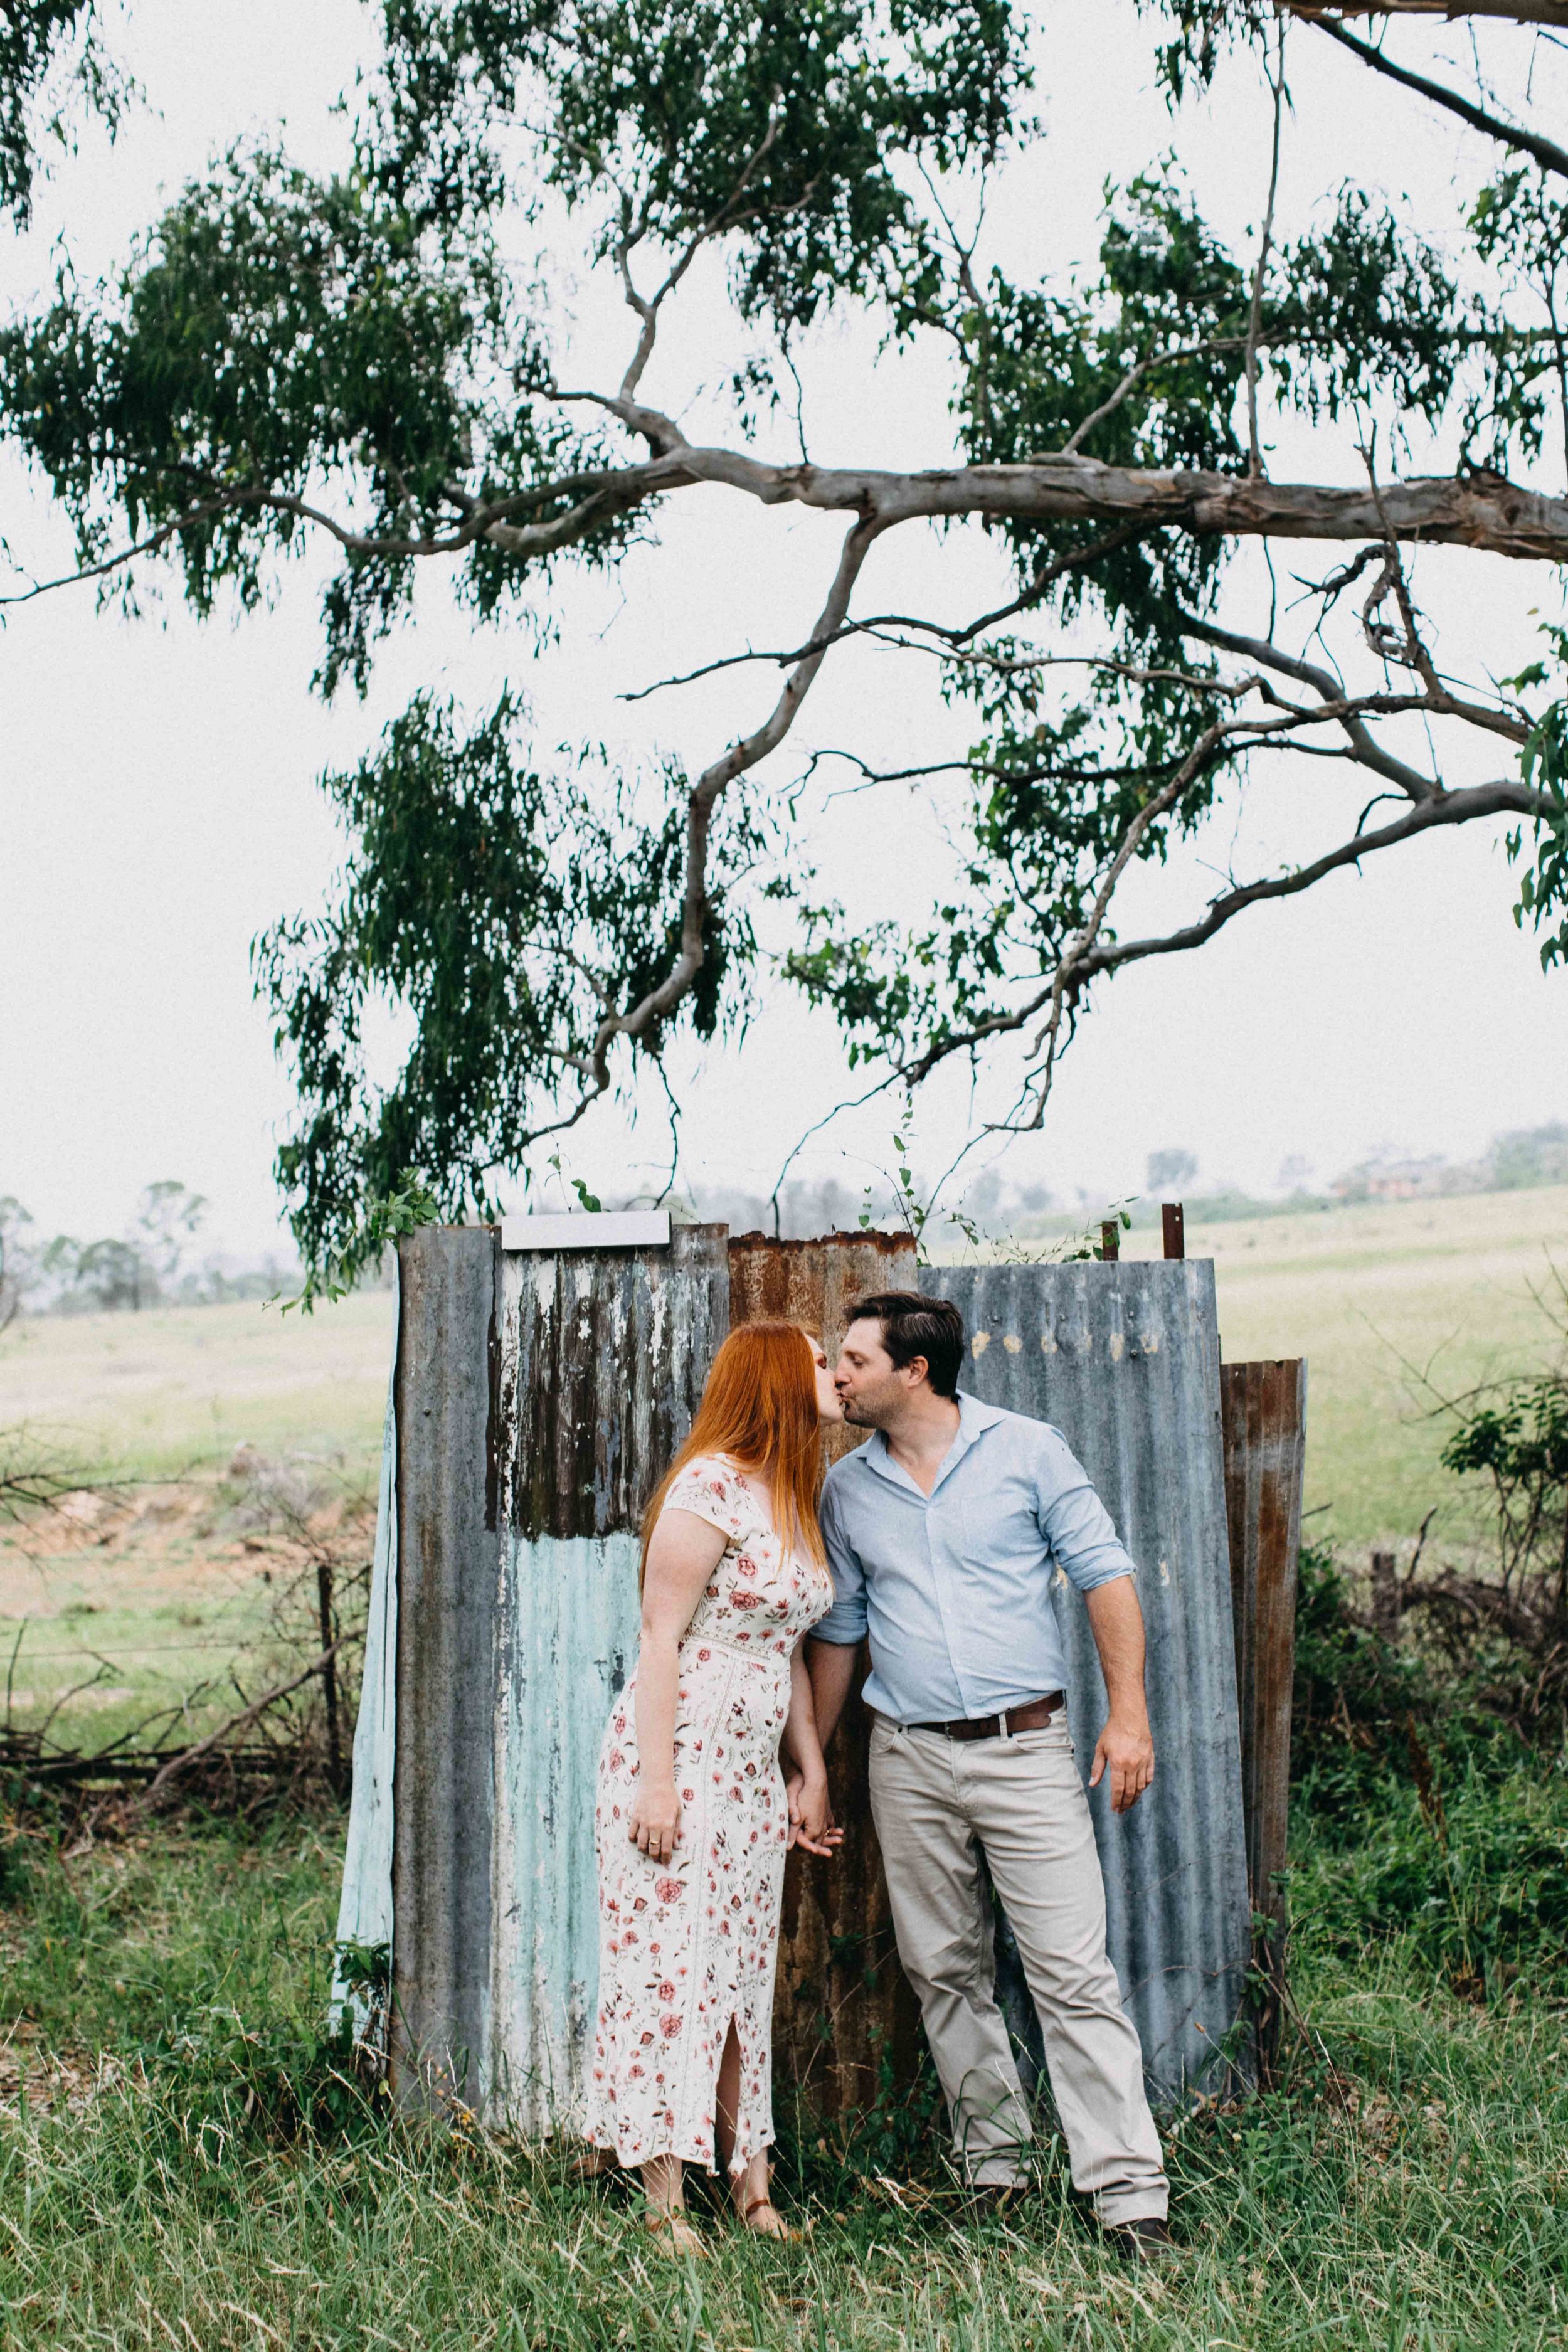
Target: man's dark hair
(913,1326)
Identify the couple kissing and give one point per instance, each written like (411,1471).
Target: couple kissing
(938,1540)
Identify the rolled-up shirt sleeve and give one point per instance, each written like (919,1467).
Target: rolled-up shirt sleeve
(845,1621)
(1074,1521)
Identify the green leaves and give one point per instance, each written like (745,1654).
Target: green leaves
(778,127)
(505,914)
(50,51)
(282,344)
(1543,899)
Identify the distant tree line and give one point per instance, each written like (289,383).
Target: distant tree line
(145,1266)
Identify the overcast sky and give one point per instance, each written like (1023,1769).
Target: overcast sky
(158,778)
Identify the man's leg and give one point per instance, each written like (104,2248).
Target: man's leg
(1026,1800)
(945,1928)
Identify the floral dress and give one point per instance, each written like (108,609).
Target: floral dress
(688,1944)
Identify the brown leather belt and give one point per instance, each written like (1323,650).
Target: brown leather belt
(1032,1716)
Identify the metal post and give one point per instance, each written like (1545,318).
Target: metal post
(1110,1239)
(1173,1219)
(448,1553)
(1264,1417)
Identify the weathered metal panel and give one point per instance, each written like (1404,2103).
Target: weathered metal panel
(447,1560)
(1124,1359)
(841,2003)
(1264,1409)
(364,1909)
(537,1398)
(600,1364)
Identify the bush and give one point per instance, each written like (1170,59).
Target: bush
(1422,1815)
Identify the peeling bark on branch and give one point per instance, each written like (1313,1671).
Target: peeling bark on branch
(1518,11)
(1480,510)
(1477,510)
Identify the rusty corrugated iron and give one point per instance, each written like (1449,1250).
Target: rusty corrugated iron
(1124,1359)
(842,2010)
(537,1398)
(1265,1417)
(447,1563)
(602,1359)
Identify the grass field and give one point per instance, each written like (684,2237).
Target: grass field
(1381,1299)
(181,2166)
(177,1389)
(186,2160)
(172,1578)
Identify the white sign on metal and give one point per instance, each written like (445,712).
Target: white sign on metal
(610,1229)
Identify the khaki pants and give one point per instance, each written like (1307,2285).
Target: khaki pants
(938,1803)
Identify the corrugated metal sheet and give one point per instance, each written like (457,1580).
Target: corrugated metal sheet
(841,2007)
(448,1556)
(537,1398)
(365,1910)
(1124,1359)
(1265,1417)
(601,1361)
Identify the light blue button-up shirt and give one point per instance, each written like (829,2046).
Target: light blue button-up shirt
(955,1588)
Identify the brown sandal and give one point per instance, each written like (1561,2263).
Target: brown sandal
(784,2234)
(674,2227)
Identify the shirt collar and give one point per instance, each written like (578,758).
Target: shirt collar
(972,1418)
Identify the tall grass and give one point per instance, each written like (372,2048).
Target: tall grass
(223,2180)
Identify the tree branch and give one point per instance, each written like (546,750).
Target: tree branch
(1546,152)
(660,1001)
(1370,754)
(1518,11)
(1254,308)
(1083,959)
(1505,797)
(1481,510)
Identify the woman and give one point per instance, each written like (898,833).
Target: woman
(692,1819)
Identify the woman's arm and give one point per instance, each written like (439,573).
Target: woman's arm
(810,1812)
(683,1555)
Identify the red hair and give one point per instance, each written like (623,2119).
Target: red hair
(759,1407)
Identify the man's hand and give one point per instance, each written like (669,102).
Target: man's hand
(1126,1750)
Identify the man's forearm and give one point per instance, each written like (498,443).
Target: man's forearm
(831,1666)
(1116,1621)
(1124,1750)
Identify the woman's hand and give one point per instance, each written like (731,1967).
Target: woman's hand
(655,1824)
(811,1823)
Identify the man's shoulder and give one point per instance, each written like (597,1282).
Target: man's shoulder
(1024,1429)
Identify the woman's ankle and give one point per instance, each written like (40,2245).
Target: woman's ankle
(664,2184)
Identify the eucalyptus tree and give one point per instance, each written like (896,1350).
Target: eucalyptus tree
(382,360)
(53,66)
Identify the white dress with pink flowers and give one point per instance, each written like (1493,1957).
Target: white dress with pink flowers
(687,1945)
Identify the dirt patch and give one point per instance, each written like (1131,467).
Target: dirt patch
(41,2081)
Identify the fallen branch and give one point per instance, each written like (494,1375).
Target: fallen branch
(236,1723)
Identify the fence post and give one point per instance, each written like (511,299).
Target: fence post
(1385,1596)
(1264,1414)
(1172,1221)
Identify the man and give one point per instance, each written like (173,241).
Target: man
(943,1534)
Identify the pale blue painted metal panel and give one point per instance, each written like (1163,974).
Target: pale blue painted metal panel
(1124,1359)
(365,1910)
(597,1363)
(569,1614)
